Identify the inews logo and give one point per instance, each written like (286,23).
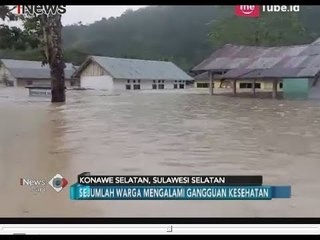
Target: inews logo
(39,9)
(254,10)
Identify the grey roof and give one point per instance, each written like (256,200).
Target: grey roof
(263,73)
(123,68)
(256,62)
(202,76)
(32,69)
(205,77)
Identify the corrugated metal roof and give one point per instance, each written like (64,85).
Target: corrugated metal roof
(270,73)
(287,61)
(202,76)
(123,68)
(32,69)
(238,72)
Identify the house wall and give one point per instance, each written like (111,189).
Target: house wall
(95,77)
(93,69)
(296,88)
(5,74)
(202,83)
(268,85)
(120,84)
(265,84)
(104,82)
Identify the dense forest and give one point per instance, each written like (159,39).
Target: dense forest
(182,34)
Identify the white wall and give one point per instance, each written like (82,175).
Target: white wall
(120,84)
(95,77)
(93,69)
(104,82)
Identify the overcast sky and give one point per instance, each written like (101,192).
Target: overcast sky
(90,14)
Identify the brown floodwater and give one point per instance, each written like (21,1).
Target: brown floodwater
(149,133)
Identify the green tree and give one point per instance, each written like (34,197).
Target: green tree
(270,29)
(43,31)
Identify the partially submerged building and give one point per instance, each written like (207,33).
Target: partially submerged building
(23,73)
(107,73)
(292,69)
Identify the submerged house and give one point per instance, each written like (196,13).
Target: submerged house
(22,73)
(292,69)
(107,73)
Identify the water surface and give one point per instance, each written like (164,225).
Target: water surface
(150,133)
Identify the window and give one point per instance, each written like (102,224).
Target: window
(175,80)
(250,85)
(280,85)
(181,85)
(245,85)
(161,86)
(128,87)
(175,85)
(202,85)
(159,81)
(154,81)
(162,81)
(154,86)
(29,82)
(128,81)
(134,81)
(138,81)
(136,86)
(257,85)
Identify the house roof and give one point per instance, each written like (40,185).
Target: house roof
(32,69)
(259,62)
(205,77)
(123,68)
(202,76)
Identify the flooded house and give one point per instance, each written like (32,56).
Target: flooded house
(23,73)
(292,70)
(108,73)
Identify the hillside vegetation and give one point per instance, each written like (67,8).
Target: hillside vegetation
(182,34)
